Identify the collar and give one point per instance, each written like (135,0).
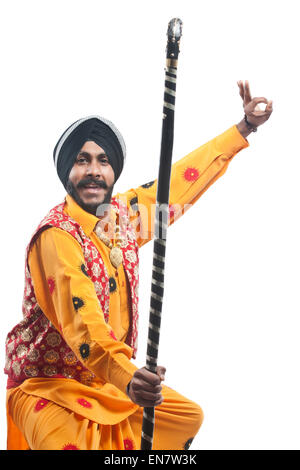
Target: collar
(85,219)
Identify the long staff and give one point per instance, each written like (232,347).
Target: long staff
(161,217)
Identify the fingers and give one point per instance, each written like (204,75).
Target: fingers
(269,107)
(253,108)
(259,100)
(247,95)
(142,394)
(147,376)
(149,404)
(241,89)
(139,384)
(244,91)
(145,387)
(147,396)
(256,116)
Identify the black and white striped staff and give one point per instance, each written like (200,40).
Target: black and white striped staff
(161,217)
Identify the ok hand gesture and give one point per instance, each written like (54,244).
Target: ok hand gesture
(255,115)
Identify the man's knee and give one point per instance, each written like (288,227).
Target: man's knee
(198,415)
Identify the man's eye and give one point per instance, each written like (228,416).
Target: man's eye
(81,159)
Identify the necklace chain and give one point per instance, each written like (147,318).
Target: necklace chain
(116,254)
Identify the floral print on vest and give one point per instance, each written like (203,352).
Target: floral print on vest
(34,347)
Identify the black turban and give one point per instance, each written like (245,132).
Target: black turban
(97,129)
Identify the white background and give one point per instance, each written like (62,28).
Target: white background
(230,327)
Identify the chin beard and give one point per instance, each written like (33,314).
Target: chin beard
(91,208)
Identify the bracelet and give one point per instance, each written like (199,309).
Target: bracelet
(249,125)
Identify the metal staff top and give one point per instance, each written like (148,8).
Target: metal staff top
(172,52)
(161,217)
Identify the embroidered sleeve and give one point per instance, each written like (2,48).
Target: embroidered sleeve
(190,178)
(67,297)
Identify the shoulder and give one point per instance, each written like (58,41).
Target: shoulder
(54,234)
(53,241)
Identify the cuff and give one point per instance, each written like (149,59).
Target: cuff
(122,373)
(127,388)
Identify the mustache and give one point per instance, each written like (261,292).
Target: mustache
(99,183)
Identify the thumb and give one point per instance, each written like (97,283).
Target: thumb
(161,372)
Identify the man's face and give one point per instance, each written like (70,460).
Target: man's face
(91,179)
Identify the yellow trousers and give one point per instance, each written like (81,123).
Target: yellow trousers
(35,423)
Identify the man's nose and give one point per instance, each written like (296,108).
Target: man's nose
(94,168)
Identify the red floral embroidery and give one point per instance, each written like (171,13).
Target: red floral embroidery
(70,447)
(172,210)
(40,404)
(191,174)
(40,336)
(128,444)
(84,403)
(51,284)
(112,335)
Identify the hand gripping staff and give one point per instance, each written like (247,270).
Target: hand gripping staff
(161,217)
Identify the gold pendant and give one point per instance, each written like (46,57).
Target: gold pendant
(116,256)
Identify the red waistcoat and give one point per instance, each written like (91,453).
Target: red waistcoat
(34,348)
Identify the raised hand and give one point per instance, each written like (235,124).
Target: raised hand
(255,115)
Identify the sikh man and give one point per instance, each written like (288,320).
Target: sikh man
(71,383)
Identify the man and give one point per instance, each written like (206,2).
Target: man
(71,384)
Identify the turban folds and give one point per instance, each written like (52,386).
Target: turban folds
(97,129)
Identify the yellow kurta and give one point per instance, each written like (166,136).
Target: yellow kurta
(104,403)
